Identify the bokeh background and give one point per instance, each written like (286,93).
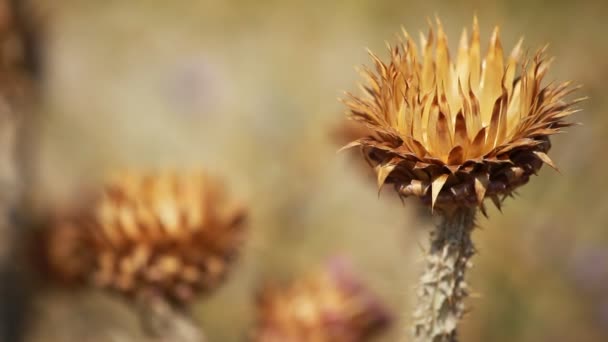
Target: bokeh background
(248,89)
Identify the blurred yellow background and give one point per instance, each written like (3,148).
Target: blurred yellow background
(247,89)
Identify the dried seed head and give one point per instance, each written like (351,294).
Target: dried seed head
(456,132)
(328,306)
(174,235)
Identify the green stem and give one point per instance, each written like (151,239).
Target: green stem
(442,288)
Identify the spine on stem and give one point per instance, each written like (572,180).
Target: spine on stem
(442,287)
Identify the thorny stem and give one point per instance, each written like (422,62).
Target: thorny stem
(442,288)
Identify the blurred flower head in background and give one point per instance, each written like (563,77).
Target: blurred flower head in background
(174,234)
(331,305)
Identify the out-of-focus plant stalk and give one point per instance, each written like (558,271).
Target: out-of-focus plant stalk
(163,322)
(442,286)
(19,53)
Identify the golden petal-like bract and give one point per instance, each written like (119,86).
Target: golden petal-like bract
(328,306)
(171,234)
(455,131)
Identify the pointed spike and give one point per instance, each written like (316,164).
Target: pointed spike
(463,44)
(492,76)
(474,56)
(388,46)
(516,52)
(412,52)
(425,188)
(478,143)
(462,58)
(428,74)
(438,22)
(383,172)
(442,58)
(381,68)
(423,41)
(432,133)
(495,40)
(436,187)
(369,161)
(402,199)
(523,142)
(349,146)
(482,207)
(494,125)
(453,168)
(579,99)
(444,140)
(467,112)
(429,22)
(406,35)
(418,148)
(481,185)
(511,67)
(460,133)
(545,159)
(476,123)
(420,165)
(456,156)
(496,202)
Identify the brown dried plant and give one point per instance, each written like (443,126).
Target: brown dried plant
(454,133)
(171,235)
(327,306)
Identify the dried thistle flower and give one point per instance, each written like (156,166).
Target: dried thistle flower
(456,133)
(453,134)
(327,306)
(173,235)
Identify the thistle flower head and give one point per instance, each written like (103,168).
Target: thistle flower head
(454,131)
(327,306)
(171,234)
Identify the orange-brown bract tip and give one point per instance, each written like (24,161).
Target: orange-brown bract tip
(437,186)
(438,22)
(476,128)
(495,34)
(464,40)
(517,49)
(475,24)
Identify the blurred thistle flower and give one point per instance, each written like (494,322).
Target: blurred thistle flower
(168,234)
(454,134)
(331,305)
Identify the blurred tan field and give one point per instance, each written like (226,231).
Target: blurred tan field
(248,90)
